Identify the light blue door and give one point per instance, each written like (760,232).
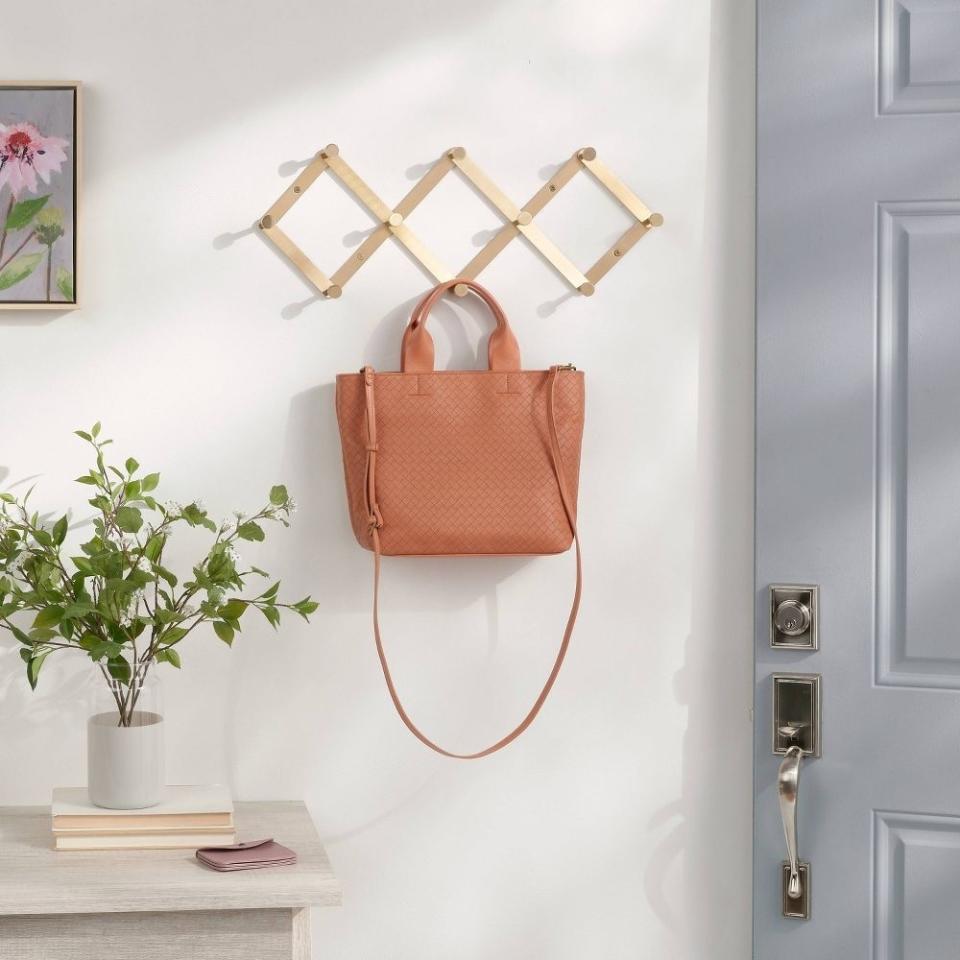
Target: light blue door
(858,473)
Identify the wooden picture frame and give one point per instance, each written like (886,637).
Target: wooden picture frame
(40,139)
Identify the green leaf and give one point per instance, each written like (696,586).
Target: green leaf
(95,429)
(131,490)
(75,611)
(65,283)
(233,609)
(172,635)
(169,656)
(167,575)
(33,668)
(60,531)
(250,531)
(119,669)
(278,495)
(24,211)
(150,482)
(89,481)
(192,514)
(98,649)
(131,465)
(48,617)
(83,565)
(43,538)
(140,577)
(83,435)
(270,594)
(305,607)
(19,269)
(129,519)
(272,614)
(224,631)
(154,547)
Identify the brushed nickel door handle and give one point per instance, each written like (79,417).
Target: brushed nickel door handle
(788,785)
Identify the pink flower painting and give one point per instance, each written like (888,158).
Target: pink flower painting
(38,136)
(25,154)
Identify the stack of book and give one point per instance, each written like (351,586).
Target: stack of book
(187,817)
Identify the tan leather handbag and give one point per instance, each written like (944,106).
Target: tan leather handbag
(463,463)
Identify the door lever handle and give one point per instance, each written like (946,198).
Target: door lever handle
(788,785)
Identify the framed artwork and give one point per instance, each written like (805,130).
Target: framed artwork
(39,178)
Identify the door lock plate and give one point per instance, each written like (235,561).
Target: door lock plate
(796,713)
(794,616)
(795,908)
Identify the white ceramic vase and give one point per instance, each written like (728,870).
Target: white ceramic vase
(125,764)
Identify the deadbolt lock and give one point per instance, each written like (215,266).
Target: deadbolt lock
(794,616)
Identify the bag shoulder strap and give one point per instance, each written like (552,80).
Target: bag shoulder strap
(376,521)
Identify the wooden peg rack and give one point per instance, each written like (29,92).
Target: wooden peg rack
(518,221)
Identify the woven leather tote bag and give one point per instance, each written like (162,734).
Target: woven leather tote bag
(463,463)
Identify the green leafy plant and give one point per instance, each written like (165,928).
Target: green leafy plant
(116,600)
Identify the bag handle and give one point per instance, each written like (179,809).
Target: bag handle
(416,349)
(376,521)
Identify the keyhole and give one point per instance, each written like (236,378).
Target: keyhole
(792,618)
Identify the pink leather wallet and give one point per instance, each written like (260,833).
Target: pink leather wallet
(247,856)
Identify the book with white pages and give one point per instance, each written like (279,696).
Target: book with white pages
(183,808)
(145,841)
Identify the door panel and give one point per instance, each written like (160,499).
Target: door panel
(918,459)
(858,465)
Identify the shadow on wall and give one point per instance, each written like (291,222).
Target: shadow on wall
(711,822)
(243,70)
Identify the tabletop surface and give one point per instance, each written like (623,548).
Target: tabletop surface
(36,879)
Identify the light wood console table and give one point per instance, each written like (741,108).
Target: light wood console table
(158,905)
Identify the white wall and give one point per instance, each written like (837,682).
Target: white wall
(619,825)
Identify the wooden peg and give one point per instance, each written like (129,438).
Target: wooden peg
(654,220)
(265,222)
(395,219)
(524,217)
(333,291)
(461,289)
(587,289)
(330,150)
(456,153)
(587,153)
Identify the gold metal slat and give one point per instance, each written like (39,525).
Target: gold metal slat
(361,255)
(610,259)
(295,191)
(420,190)
(301,261)
(356,185)
(414,245)
(561,263)
(617,187)
(485,185)
(553,186)
(501,239)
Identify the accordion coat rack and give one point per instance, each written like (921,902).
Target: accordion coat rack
(518,221)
